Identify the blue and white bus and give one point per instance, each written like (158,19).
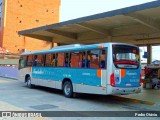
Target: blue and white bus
(106,68)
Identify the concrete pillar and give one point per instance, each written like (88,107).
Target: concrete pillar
(149,51)
(53,44)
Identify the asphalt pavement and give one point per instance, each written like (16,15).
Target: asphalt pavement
(15,96)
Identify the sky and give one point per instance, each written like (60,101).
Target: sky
(71,9)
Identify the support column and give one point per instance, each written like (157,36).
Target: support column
(53,44)
(149,51)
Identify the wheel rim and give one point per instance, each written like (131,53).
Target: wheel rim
(29,83)
(67,89)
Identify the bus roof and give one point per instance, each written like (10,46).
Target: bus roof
(73,47)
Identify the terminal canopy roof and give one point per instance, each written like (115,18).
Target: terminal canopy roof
(138,24)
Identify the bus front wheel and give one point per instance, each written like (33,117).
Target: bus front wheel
(68,89)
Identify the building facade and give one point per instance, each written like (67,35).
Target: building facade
(17,15)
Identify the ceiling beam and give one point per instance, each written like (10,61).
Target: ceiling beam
(147,21)
(40,37)
(64,34)
(94,29)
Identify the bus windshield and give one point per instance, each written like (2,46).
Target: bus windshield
(125,56)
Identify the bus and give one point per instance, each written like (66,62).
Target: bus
(105,68)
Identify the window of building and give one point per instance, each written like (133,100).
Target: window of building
(0,11)
(0,8)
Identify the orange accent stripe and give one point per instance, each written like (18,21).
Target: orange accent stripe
(99,73)
(30,69)
(123,73)
(100,46)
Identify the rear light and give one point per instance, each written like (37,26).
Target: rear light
(112,81)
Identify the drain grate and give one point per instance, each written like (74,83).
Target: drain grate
(43,107)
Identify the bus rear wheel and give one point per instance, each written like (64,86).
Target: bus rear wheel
(68,89)
(28,82)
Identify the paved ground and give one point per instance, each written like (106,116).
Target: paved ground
(15,96)
(150,95)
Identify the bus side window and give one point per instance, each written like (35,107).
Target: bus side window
(83,59)
(93,57)
(54,60)
(29,60)
(22,62)
(60,60)
(75,57)
(39,60)
(48,60)
(88,60)
(35,60)
(67,60)
(103,59)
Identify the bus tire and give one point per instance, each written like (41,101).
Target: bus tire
(68,89)
(28,82)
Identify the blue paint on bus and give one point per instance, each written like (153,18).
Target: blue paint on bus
(131,78)
(76,75)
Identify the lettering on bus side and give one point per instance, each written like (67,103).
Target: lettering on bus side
(67,75)
(88,74)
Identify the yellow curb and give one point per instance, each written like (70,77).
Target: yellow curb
(40,118)
(132,100)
